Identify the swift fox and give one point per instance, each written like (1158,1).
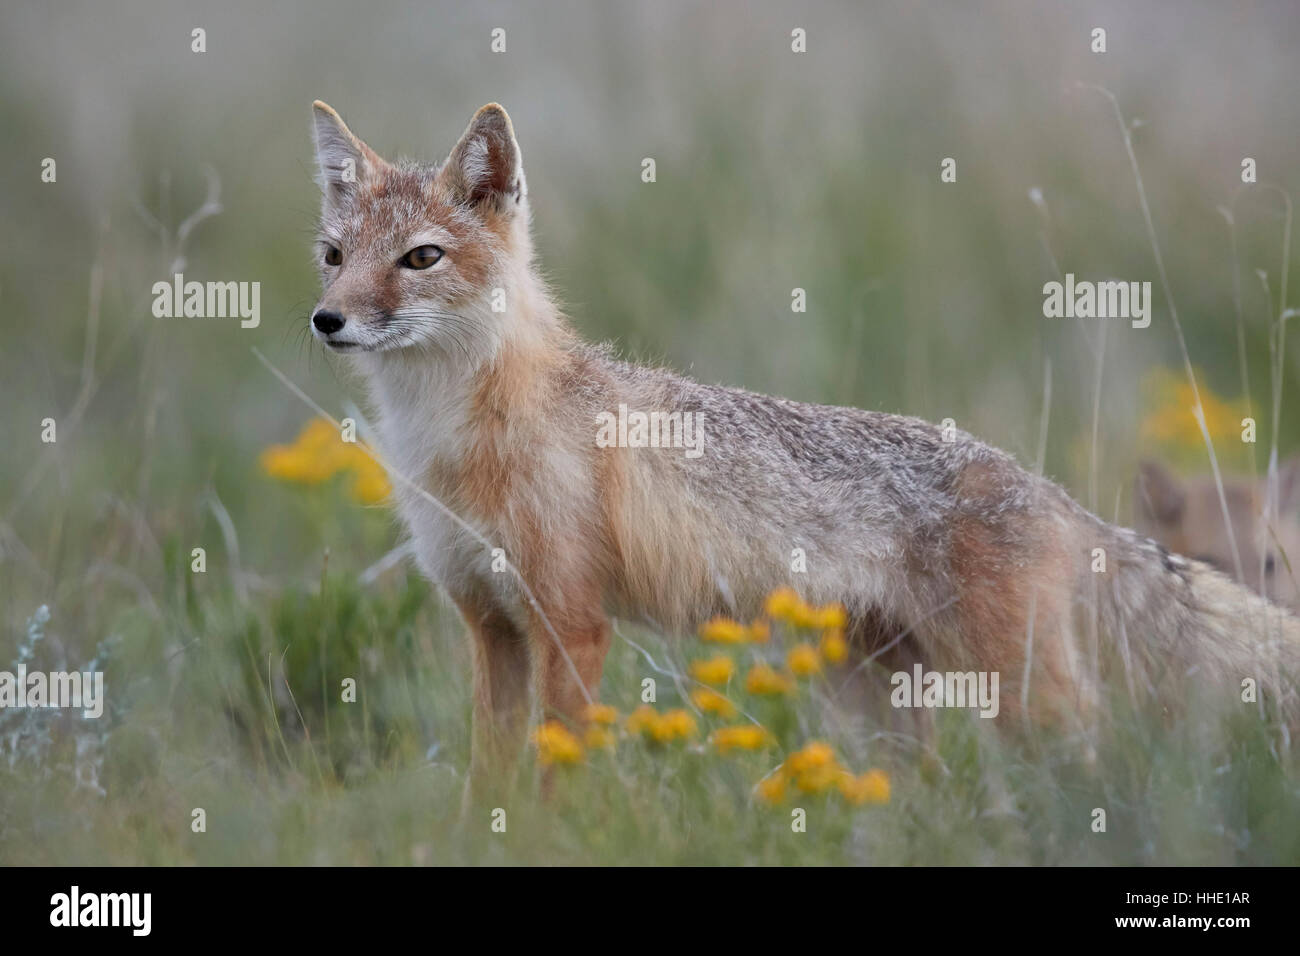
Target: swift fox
(938,545)
(1186,515)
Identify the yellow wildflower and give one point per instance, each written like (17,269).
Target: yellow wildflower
(673,725)
(834,648)
(771,789)
(803,660)
(782,604)
(816,753)
(715,671)
(642,719)
(817,779)
(831,617)
(602,714)
(599,738)
(369,482)
(805,616)
(315,455)
(711,702)
(319,453)
(1173,421)
(763,679)
(743,737)
(759,632)
(870,787)
(555,744)
(723,630)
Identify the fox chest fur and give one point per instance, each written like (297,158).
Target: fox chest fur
(508,469)
(645,533)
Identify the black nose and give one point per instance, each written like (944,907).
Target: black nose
(327,322)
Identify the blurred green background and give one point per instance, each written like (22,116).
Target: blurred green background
(775,170)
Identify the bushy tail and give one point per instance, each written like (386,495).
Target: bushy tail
(1177,620)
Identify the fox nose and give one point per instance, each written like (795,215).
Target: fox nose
(327,322)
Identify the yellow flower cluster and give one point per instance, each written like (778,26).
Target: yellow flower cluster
(319,453)
(834,648)
(870,787)
(663,728)
(772,788)
(784,604)
(1172,420)
(803,660)
(601,714)
(743,737)
(810,770)
(814,770)
(715,671)
(556,744)
(723,630)
(601,719)
(766,681)
(711,702)
(814,756)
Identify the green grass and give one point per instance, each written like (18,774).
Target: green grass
(236,708)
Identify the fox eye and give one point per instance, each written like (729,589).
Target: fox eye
(422,257)
(333,255)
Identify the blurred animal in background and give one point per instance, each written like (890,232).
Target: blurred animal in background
(1186,515)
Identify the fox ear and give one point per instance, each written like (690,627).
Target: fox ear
(485,168)
(343,159)
(1160,495)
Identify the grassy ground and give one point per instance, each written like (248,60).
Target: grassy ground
(775,172)
(234,707)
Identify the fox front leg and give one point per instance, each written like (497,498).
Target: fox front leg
(502,666)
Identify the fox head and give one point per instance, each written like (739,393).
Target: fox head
(412,256)
(1186,516)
